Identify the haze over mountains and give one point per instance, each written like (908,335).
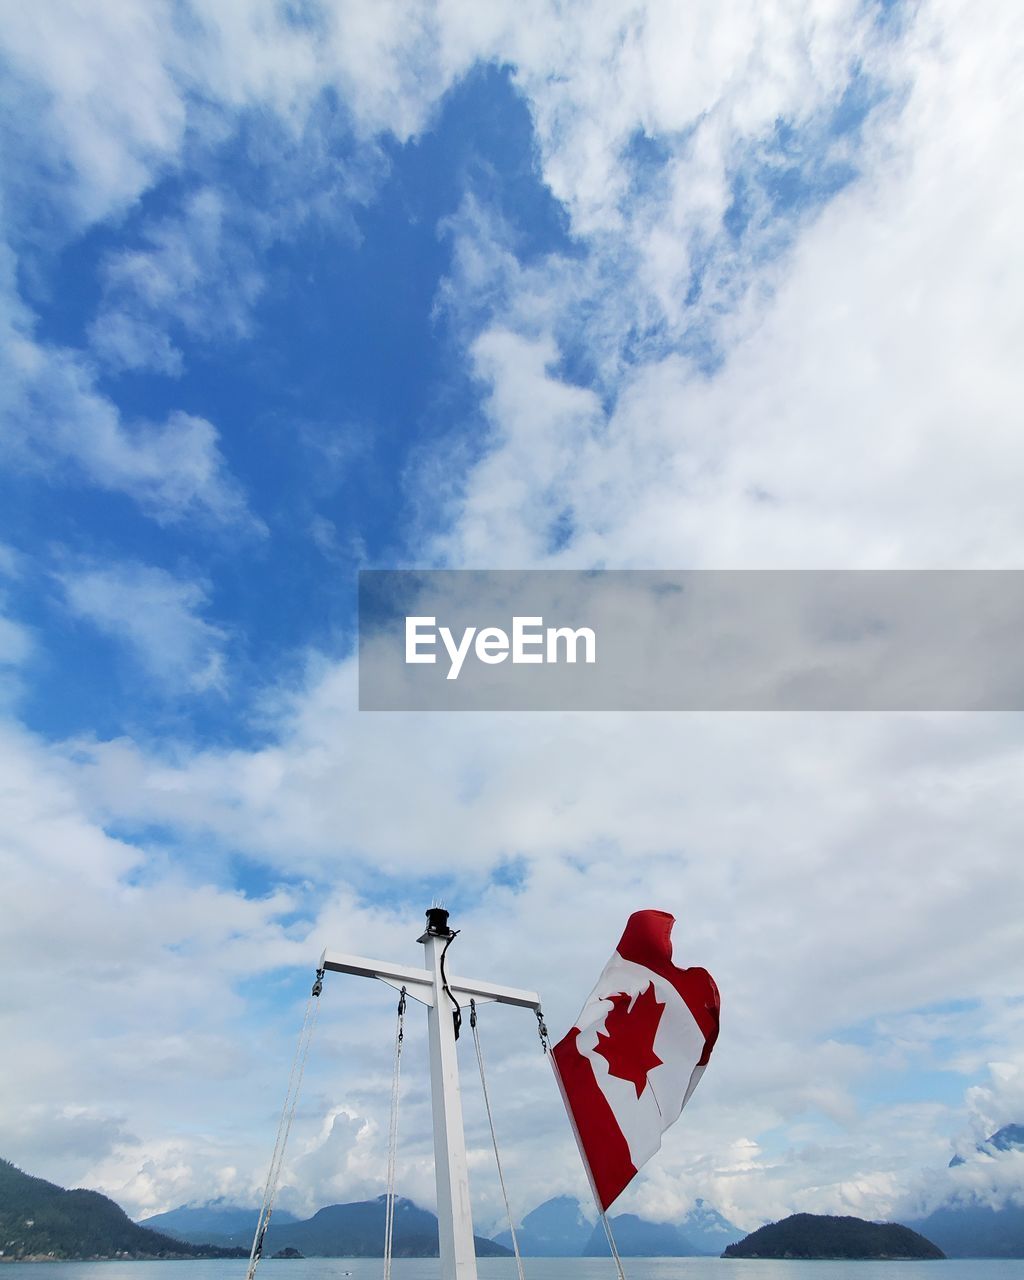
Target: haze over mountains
(971,1221)
(980,1214)
(353,1230)
(702,1231)
(357,1231)
(215,1222)
(561,1228)
(637,1238)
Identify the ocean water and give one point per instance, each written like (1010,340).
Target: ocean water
(535,1269)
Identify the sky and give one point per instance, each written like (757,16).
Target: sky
(292,289)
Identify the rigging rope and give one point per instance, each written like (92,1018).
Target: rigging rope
(389,1203)
(494,1136)
(285,1125)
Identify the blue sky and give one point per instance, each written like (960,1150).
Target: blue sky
(346,371)
(289,291)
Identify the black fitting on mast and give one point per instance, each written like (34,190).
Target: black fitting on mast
(437,923)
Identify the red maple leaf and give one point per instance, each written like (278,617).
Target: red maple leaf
(628,1039)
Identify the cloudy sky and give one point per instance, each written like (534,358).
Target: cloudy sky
(288,289)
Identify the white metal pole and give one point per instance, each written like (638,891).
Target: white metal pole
(454,1215)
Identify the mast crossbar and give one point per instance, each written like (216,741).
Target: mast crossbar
(412,977)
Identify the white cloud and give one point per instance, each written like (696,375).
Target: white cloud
(112,99)
(120,93)
(53,418)
(107,107)
(93,90)
(124,340)
(15,642)
(157,617)
(699,77)
(197,270)
(66,1133)
(10,561)
(190,273)
(121,996)
(869,388)
(987,1175)
(543,428)
(1000,1101)
(810,863)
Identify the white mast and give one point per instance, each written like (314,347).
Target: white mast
(428,986)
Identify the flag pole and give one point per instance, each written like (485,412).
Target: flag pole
(611,1243)
(586,1164)
(454,1216)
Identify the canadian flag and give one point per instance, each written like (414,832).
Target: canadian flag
(641,1043)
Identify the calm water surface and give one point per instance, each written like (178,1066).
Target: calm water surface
(535,1268)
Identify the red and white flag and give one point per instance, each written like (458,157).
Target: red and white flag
(641,1043)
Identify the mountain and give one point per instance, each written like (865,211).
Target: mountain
(814,1235)
(976,1230)
(559,1229)
(555,1229)
(215,1222)
(707,1230)
(41,1220)
(357,1231)
(968,1226)
(637,1238)
(1009,1138)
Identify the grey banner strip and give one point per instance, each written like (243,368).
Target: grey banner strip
(691,640)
